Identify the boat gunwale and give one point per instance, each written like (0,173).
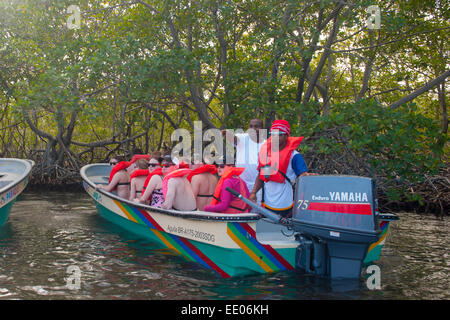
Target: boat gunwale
(193,215)
(27,172)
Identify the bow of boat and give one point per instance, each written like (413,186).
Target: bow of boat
(14,174)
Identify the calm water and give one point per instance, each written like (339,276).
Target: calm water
(48,232)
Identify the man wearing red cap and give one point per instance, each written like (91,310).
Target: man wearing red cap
(279,165)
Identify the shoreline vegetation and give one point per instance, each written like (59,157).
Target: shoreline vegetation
(365,87)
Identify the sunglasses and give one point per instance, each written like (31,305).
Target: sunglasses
(113,163)
(223,165)
(277,133)
(154,165)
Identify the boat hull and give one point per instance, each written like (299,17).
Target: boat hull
(374,251)
(4,212)
(229,246)
(10,193)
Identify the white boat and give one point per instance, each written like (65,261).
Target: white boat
(14,176)
(230,244)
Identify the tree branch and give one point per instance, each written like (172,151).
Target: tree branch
(426,87)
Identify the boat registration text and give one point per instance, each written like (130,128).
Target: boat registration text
(182,231)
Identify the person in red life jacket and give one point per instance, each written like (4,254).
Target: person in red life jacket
(133,162)
(183,165)
(203,181)
(137,178)
(157,154)
(279,165)
(137,157)
(119,179)
(177,190)
(223,201)
(152,189)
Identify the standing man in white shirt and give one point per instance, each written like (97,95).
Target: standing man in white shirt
(247,149)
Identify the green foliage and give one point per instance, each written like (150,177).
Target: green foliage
(132,73)
(399,146)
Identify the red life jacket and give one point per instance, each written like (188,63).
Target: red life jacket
(120,166)
(151,174)
(205,168)
(183,165)
(236,205)
(272,164)
(139,173)
(136,157)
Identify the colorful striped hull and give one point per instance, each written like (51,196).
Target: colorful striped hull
(8,198)
(228,248)
(374,251)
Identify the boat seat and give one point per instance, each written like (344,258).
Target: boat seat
(100,179)
(4,183)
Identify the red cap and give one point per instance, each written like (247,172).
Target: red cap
(281,125)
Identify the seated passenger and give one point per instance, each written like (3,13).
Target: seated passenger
(133,162)
(167,165)
(119,179)
(152,193)
(177,190)
(203,181)
(137,157)
(223,201)
(156,154)
(137,178)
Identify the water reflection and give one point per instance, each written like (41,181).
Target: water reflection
(47,233)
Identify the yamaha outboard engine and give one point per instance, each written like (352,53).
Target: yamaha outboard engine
(336,220)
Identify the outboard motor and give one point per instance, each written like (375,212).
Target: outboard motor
(336,220)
